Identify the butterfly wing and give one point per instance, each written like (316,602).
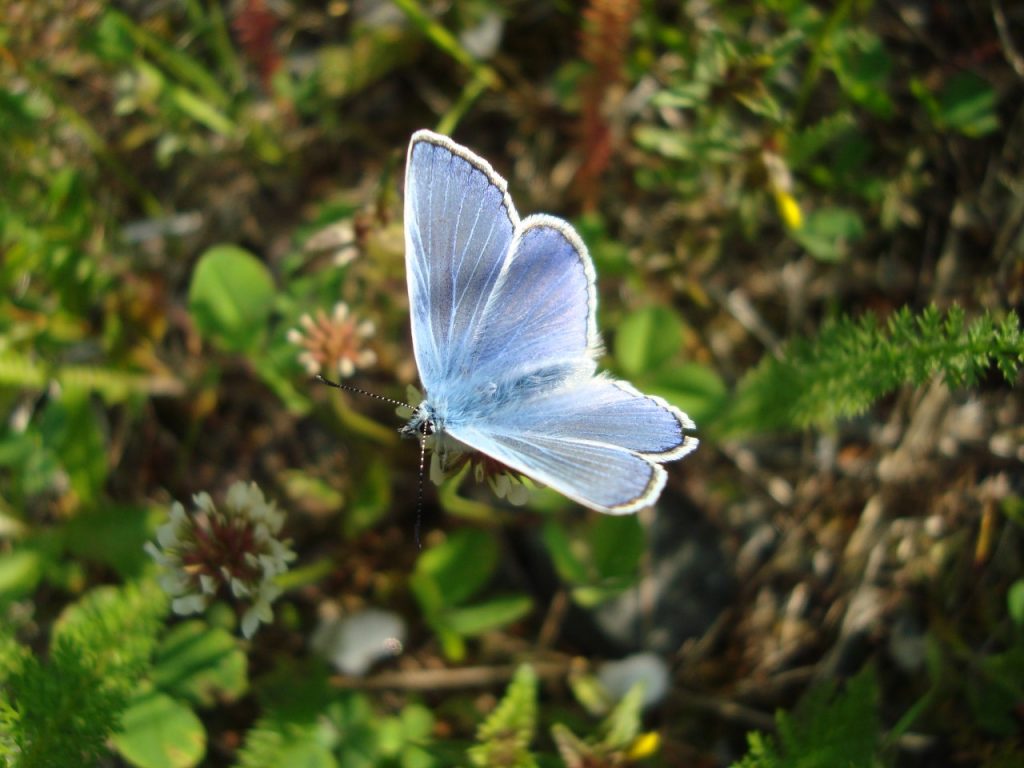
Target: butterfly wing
(596,440)
(459,224)
(541,313)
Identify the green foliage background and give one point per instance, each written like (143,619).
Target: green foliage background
(806,220)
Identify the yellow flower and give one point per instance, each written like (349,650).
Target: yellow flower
(789,210)
(780,181)
(645,745)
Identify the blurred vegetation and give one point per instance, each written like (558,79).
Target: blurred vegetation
(807,223)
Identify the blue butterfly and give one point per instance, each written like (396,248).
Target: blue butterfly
(506,342)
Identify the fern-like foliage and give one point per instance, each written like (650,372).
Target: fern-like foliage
(504,737)
(13,657)
(825,731)
(615,738)
(270,742)
(295,721)
(61,712)
(852,363)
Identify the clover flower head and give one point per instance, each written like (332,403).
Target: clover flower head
(234,548)
(505,482)
(450,459)
(333,342)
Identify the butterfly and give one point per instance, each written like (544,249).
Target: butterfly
(504,331)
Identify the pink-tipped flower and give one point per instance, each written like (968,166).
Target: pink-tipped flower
(333,342)
(233,549)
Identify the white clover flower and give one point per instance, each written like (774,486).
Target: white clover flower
(213,551)
(334,342)
(506,485)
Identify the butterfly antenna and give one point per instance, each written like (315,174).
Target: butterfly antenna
(358,391)
(423,442)
(419,485)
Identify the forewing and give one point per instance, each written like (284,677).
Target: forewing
(599,442)
(459,224)
(542,309)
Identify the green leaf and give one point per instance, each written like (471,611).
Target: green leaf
(29,459)
(17,371)
(453,646)
(159,732)
(417,722)
(610,256)
(371,498)
(122,39)
(591,693)
(111,39)
(806,144)
(231,296)
(593,595)
(70,427)
(116,386)
(277,364)
(461,565)
(201,110)
(828,232)
(622,725)
(693,388)
(398,737)
(616,733)
(113,535)
(312,493)
(200,663)
(617,543)
(305,753)
(647,339)
(687,95)
(674,144)
(761,102)
(862,67)
(567,562)
(448,575)
(826,729)
(1015,602)
(967,105)
(20,572)
(483,617)
(995,694)
(342,71)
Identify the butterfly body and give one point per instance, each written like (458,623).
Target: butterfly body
(506,342)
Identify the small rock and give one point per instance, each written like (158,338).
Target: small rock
(618,677)
(355,643)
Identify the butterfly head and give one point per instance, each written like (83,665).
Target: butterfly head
(424,422)
(427,425)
